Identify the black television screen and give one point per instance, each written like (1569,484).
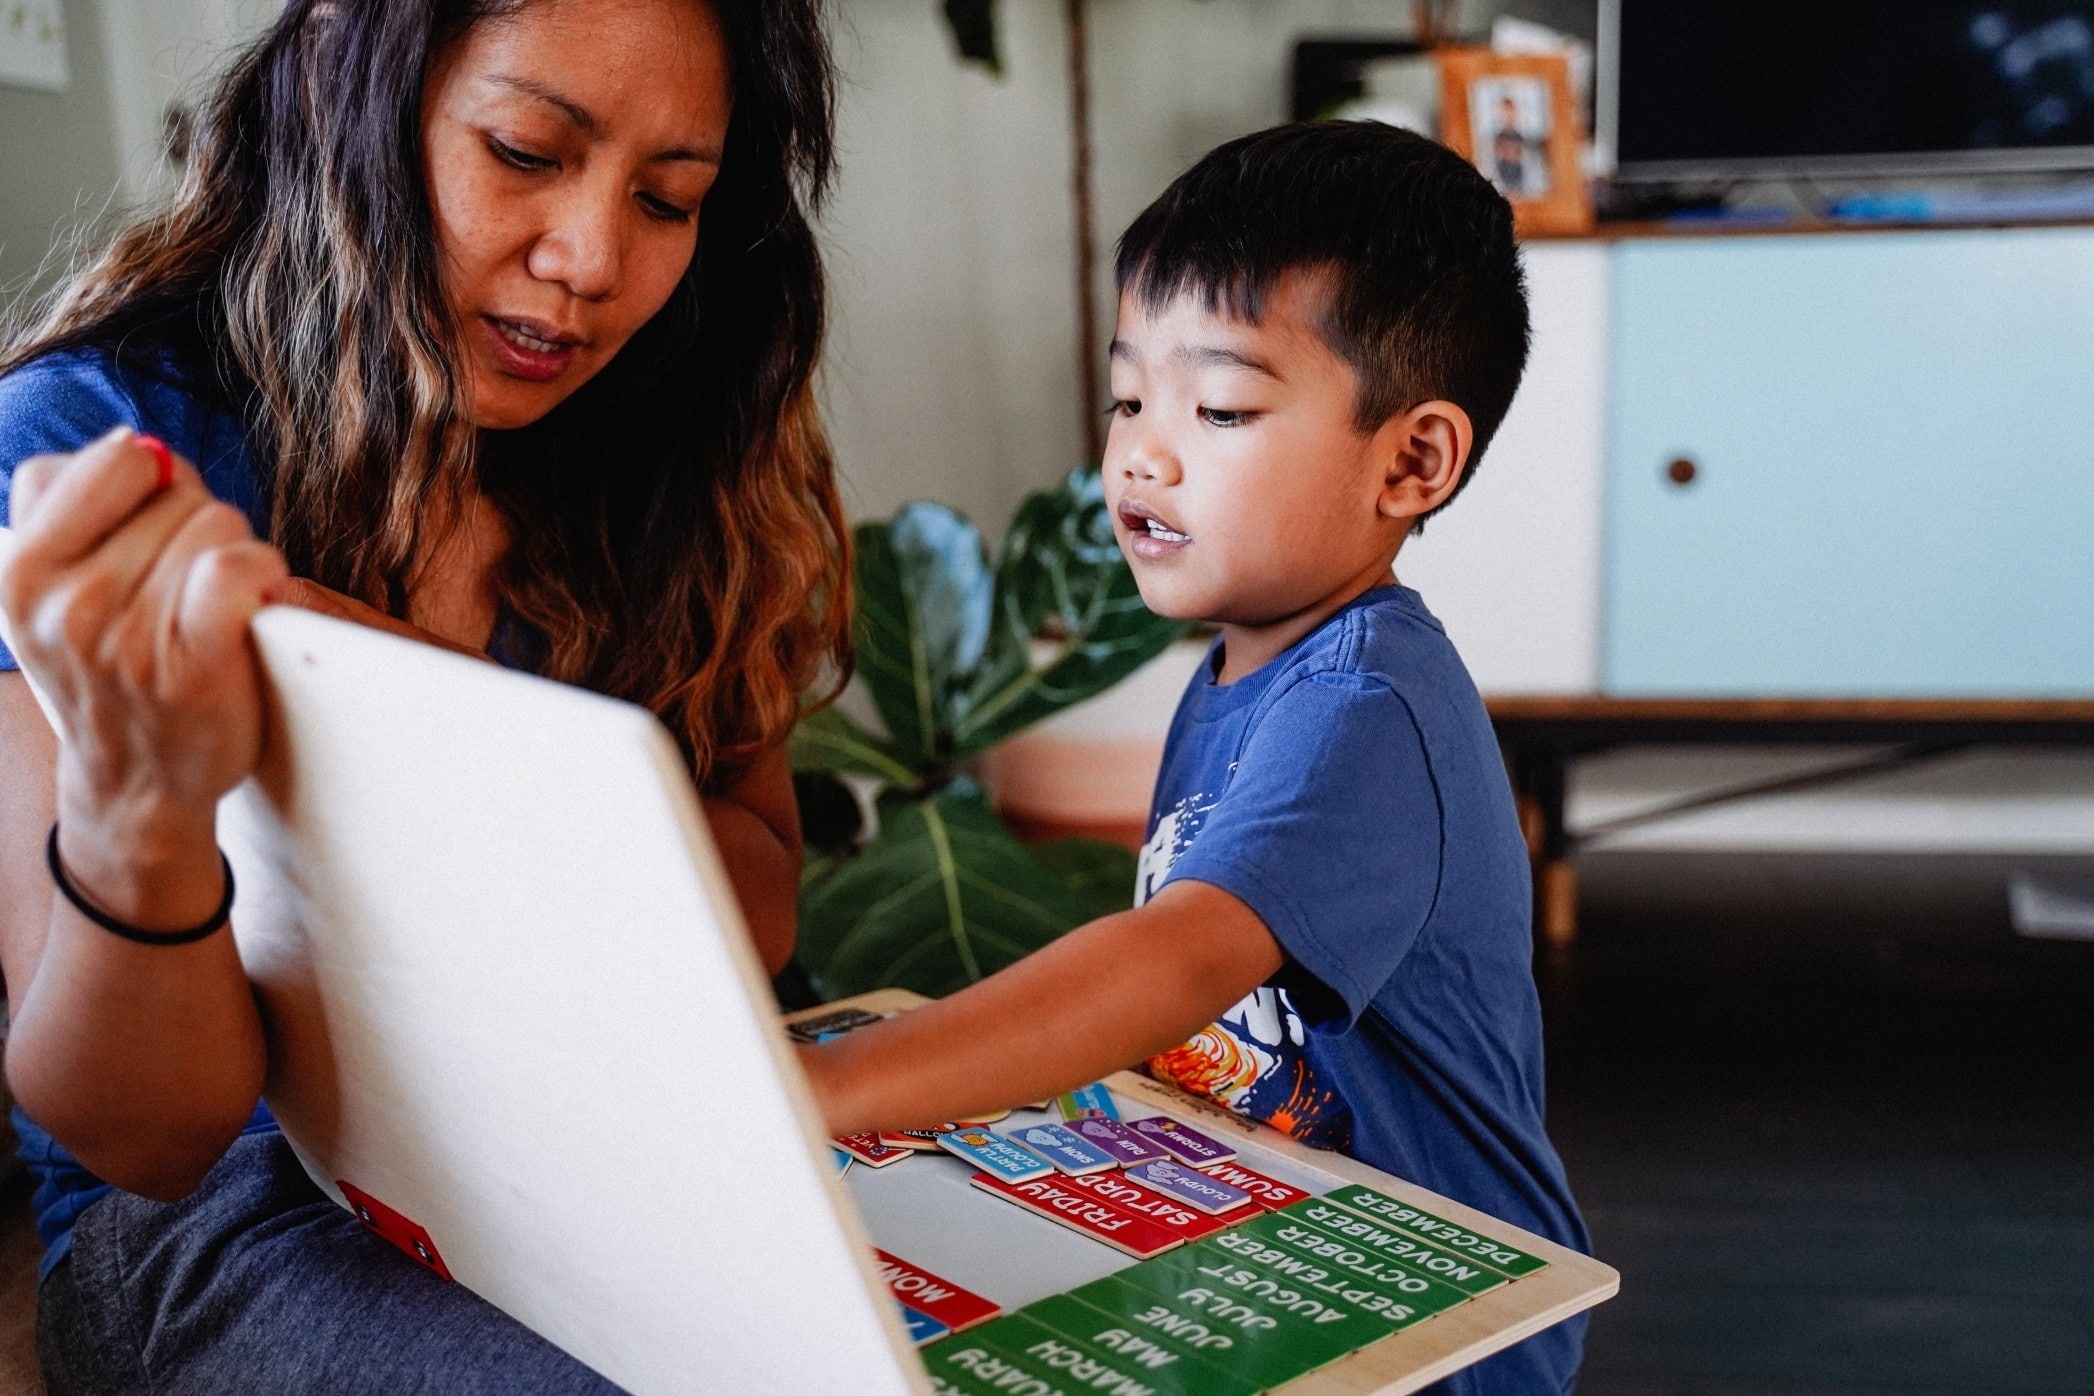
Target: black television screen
(1740,87)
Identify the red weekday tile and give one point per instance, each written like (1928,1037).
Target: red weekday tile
(1123,1192)
(1083,1211)
(1269,1193)
(918,1289)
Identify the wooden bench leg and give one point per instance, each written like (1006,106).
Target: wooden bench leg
(1539,779)
(1556,888)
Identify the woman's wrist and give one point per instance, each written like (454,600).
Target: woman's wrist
(148,863)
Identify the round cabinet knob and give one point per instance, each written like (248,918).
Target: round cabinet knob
(1682,471)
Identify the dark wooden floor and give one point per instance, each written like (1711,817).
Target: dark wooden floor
(19,1252)
(1834,1123)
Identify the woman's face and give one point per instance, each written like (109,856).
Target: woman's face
(567,149)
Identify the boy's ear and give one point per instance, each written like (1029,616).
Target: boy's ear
(1423,452)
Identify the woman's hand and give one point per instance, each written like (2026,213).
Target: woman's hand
(129,599)
(130,605)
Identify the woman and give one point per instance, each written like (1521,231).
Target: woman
(496,319)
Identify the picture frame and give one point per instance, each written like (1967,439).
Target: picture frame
(1514,117)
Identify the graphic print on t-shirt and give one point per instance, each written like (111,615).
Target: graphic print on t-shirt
(1255,1059)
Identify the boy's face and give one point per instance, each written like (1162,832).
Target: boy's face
(1242,491)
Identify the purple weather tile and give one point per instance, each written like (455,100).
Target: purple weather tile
(1176,1181)
(1182,1142)
(1125,1146)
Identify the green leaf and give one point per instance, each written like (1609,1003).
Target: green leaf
(942,898)
(817,867)
(826,740)
(1101,873)
(1059,542)
(973,25)
(922,623)
(1059,568)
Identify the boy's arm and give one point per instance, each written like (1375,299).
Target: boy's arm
(1103,997)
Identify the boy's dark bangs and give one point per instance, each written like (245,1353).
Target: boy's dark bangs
(1224,282)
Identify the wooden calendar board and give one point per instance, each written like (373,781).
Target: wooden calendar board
(924,1211)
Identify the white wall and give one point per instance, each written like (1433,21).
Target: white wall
(160,51)
(69,157)
(57,164)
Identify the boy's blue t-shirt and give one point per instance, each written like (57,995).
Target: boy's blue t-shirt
(1351,793)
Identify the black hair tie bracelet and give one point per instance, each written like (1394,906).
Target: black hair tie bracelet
(133,933)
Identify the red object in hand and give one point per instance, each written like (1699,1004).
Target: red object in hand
(161,454)
(406,1234)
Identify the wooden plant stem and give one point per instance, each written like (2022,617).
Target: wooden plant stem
(1077,16)
(1435,21)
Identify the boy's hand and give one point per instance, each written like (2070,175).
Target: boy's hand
(1103,997)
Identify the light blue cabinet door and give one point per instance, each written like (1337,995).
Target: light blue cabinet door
(1893,435)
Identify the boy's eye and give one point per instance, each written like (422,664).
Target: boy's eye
(1124,407)
(519,159)
(1225,417)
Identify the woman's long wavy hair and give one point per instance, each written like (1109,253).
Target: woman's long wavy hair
(676,537)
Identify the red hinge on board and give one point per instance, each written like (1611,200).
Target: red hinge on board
(407,1235)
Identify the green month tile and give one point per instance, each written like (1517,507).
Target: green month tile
(972,1364)
(1442,1233)
(955,1366)
(1208,1327)
(1298,1241)
(1321,1327)
(955,1383)
(988,1332)
(1116,1360)
(1022,1354)
(1138,1346)
(1381,1298)
(1471,1277)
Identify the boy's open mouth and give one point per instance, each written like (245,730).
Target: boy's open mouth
(1149,536)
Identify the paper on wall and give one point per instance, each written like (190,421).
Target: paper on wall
(32,45)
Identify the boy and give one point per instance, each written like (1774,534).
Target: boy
(1320,327)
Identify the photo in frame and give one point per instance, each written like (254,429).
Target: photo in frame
(1514,117)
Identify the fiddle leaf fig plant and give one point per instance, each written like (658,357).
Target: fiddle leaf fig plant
(959,649)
